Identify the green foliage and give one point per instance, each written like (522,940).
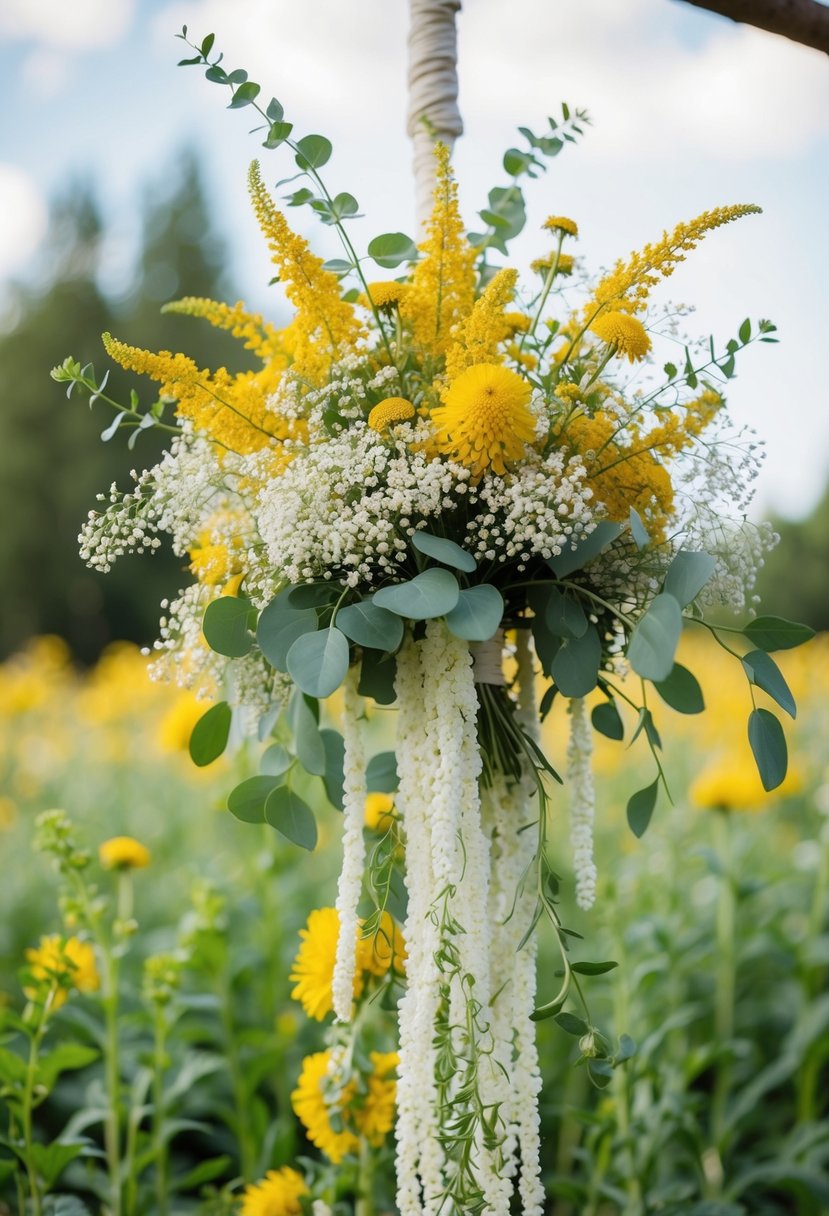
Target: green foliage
(478,613)
(654,641)
(430,594)
(210,734)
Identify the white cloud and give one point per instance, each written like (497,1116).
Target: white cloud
(25,218)
(68,24)
(44,73)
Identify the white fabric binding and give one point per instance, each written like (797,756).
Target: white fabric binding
(433,91)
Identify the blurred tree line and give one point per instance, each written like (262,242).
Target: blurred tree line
(52,460)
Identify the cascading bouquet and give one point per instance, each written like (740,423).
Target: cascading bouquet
(429,488)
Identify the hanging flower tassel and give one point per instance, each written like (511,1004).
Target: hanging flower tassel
(351,874)
(582,801)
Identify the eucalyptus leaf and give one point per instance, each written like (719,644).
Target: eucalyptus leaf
(430,594)
(762,670)
(247,800)
(654,640)
(381,773)
(318,662)
(478,613)
(575,667)
(444,550)
(776,633)
(367,624)
(768,743)
(581,554)
(292,816)
(681,691)
(313,151)
(210,734)
(607,720)
(333,777)
(377,675)
(225,626)
(547,645)
(307,740)
(564,615)
(280,625)
(687,575)
(392,248)
(640,808)
(275,761)
(638,529)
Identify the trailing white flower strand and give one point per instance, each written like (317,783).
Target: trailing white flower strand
(351,875)
(582,801)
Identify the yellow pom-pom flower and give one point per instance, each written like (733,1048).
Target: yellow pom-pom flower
(485,421)
(390,410)
(516,322)
(563,263)
(384,295)
(277,1194)
(561,223)
(623,331)
(336,1115)
(61,964)
(123,853)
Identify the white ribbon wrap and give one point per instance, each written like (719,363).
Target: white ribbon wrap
(433,91)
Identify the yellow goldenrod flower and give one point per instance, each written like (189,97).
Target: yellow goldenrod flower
(569,392)
(313,969)
(623,331)
(61,964)
(389,411)
(485,420)
(478,337)
(517,322)
(443,284)
(628,284)
(563,263)
(620,477)
(277,1194)
(257,334)
(369,1114)
(123,853)
(379,812)
(561,223)
(384,295)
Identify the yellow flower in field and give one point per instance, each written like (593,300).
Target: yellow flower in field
(733,784)
(385,295)
(389,411)
(485,420)
(623,331)
(561,223)
(8,812)
(176,726)
(379,812)
(313,969)
(123,853)
(522,357)
(62,963)
(564,263)
(368,1113)
(278,1194)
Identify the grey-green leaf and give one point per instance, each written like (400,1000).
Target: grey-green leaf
(292,816)
(247,801)
(638,529)
(607,720)
(444,550)
(275,761)
(762,670)
(564,615)
(656,636)
(307,740)
(768,743)
(640,808)
(225,626)
(681,691)
(430,594)
(318,662)
(313,151)
(369,625)
(279,627)
(210,734)
(776,633)
(605,532)
(333,778)
(687,575)
(575,667)
(477,614)
(381,773)
(392,248)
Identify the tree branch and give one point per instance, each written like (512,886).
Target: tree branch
(805,21)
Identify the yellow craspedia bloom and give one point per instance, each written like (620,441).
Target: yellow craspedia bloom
(313,969)
(277,1194)
(569,392)
(485,420)
(518,322)
(390,410)
(314,1108)
(623,331)
(385,295)
(564,263)
(62,963)
(379,812)
(561,223)
(123,853)
(733,784)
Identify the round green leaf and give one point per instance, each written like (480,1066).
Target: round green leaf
(575,667)
(768,743)
(477,614)
(378,672)
(318,662)
(381,773)
(279,627)
(292,816)
(681,691)
(653,644)
(392,248)
(445,551)
(210,734)
(225,626)
(247,801)
(309,595)
(607,720)
(432,593)
(776,633)
(687,575)
(369,625)
(275,761)
(313,151)
(564,615)
(307,740)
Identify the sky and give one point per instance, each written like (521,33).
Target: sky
(689,111)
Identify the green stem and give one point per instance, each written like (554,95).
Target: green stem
(808,1076)
(112,1122)
(237,1082)
(364,1205)
(28,1106)
(726,977)
(159,1066)
(545,291)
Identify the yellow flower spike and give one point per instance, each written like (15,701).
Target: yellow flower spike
(123,853)
(313,969)
(485,421)
(561,223)
(385,295)
(477,339)
(389,411)
(63,964)
(277,1194)
(564,265)
(623,331)
(257,334)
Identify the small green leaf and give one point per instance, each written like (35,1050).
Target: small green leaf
(309,746)
(687,575)
(575,667)
(225,626)
(244,94)
(592,968)
(378,671)
(210,734)
(279,627)
(681,691)
(369,625)
(278,132)
(247,800)
(275,111)
(381,773)
(762,670)
(776,633)
(547,645)
(640,808)
(430,594)
(445,551)
(586,550)
(607,720)
(318,662)
(564,615)
(654,640)
(292,816)
(309,595)
(745,331)
(275,761)
(638,529)
(478,613)
(65,1057)
(392,248)
(333,778)
(313,151)
(768,743)
(572,1024)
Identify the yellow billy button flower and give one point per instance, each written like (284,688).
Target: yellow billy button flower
(278,1194)
(379,812)
(623,331)
(564,264)
(385,295)
(62,964)
(518,322)
(123,853)
(561,223)
(389,411)
(485,420)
